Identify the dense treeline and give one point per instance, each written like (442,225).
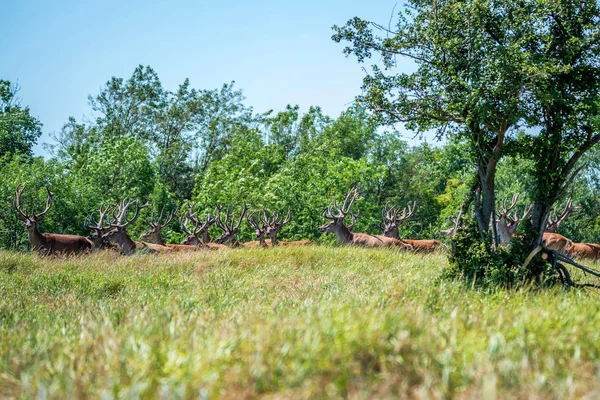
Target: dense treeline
(207,146)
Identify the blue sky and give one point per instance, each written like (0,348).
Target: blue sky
(277,52)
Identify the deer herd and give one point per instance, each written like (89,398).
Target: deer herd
(506,227)
(108,226)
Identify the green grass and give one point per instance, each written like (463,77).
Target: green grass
(286,323)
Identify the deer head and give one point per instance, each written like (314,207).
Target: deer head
(98,227)
(227,225)
(337,219)
(450,232)
(275,222)
(392,219)
(507,225)
(554,221)
(31,220)
(119,222)
(260,229)
(198,227)
(157,224)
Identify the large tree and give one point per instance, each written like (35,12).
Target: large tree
(480,70)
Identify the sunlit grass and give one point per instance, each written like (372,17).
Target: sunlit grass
(287,322)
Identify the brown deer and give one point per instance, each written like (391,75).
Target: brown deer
(274,225)
(392,221)
(118,235)
(156,225)
(49,243)
(347,237)
(198,235)
(99,229)
(450,232)
(588,251)
(260,229)
(555,221)
(507,226)
(228,226)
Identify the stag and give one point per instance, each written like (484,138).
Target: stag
(450,232)
(345,235)
(156,225)
(274,225)
(507,227)
(48,243)
(119,236)
(260,229)
(99,228)
(392,219)
(554,220)
(229,227)
(198,234)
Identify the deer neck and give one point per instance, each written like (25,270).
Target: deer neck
(125,242)
(36,238)
(156,238)
(504,233)
(273,237)
(205,237)
(393,233)
(343,234)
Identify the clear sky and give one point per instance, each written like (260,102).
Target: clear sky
(278,52)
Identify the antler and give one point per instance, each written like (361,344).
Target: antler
(554,222)
(34,216)
(354,219)
(99,225)
(199,226)
(275,222)
(39,217)
(405,214)
(17,204)
(351,197)
(123,206)
(252,221)
(506,210)
(159,223)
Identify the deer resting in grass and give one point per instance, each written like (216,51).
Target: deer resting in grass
(48,243)
(346,236)
(119,236)
(156,225)
(507,226)
(198,234)
(260,229)
(99,229)
(229,227)
(392,219)
(274,225)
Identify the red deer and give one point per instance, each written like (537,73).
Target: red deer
(118,235)
(49,243)
(229,231)
(347,237)
(555,221)
(156,225)
(507,226)
(392,221)
(583,250)
(99,229)
(274,225)
(260,232)
(200,229)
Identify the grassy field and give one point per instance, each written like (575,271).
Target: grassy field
(286,323)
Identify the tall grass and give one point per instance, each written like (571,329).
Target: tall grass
(286,323)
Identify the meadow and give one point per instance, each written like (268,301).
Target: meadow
(322,322)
